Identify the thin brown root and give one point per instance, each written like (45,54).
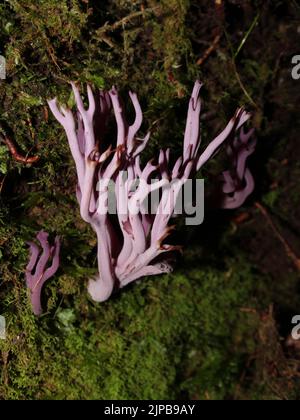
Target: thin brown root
(289,252)
(209,50)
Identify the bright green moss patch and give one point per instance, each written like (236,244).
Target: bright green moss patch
(163,338)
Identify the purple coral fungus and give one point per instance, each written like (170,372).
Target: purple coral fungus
(133,245)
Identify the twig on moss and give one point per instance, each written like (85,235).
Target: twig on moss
(50,50)
(289,252)
(1,186)
(5,355)
(209,50)
(219,4)
(102,32)
(16,155)
(112,27)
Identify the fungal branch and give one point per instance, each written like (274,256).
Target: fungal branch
(238,182)
(43,264)
(131,243)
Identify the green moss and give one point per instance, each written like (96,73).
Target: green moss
(148,342)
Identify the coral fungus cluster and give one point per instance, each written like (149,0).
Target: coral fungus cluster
(131,243)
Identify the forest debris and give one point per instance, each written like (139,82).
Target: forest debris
(241,218)
(209,50)
(289,252)
(16,155)
(218,33)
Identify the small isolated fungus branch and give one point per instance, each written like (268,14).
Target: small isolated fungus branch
(42,266)
(238,182)
(131,243)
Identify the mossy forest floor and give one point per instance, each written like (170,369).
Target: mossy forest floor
(219,326)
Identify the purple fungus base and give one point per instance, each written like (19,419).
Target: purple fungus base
(43,264)
(140,250)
